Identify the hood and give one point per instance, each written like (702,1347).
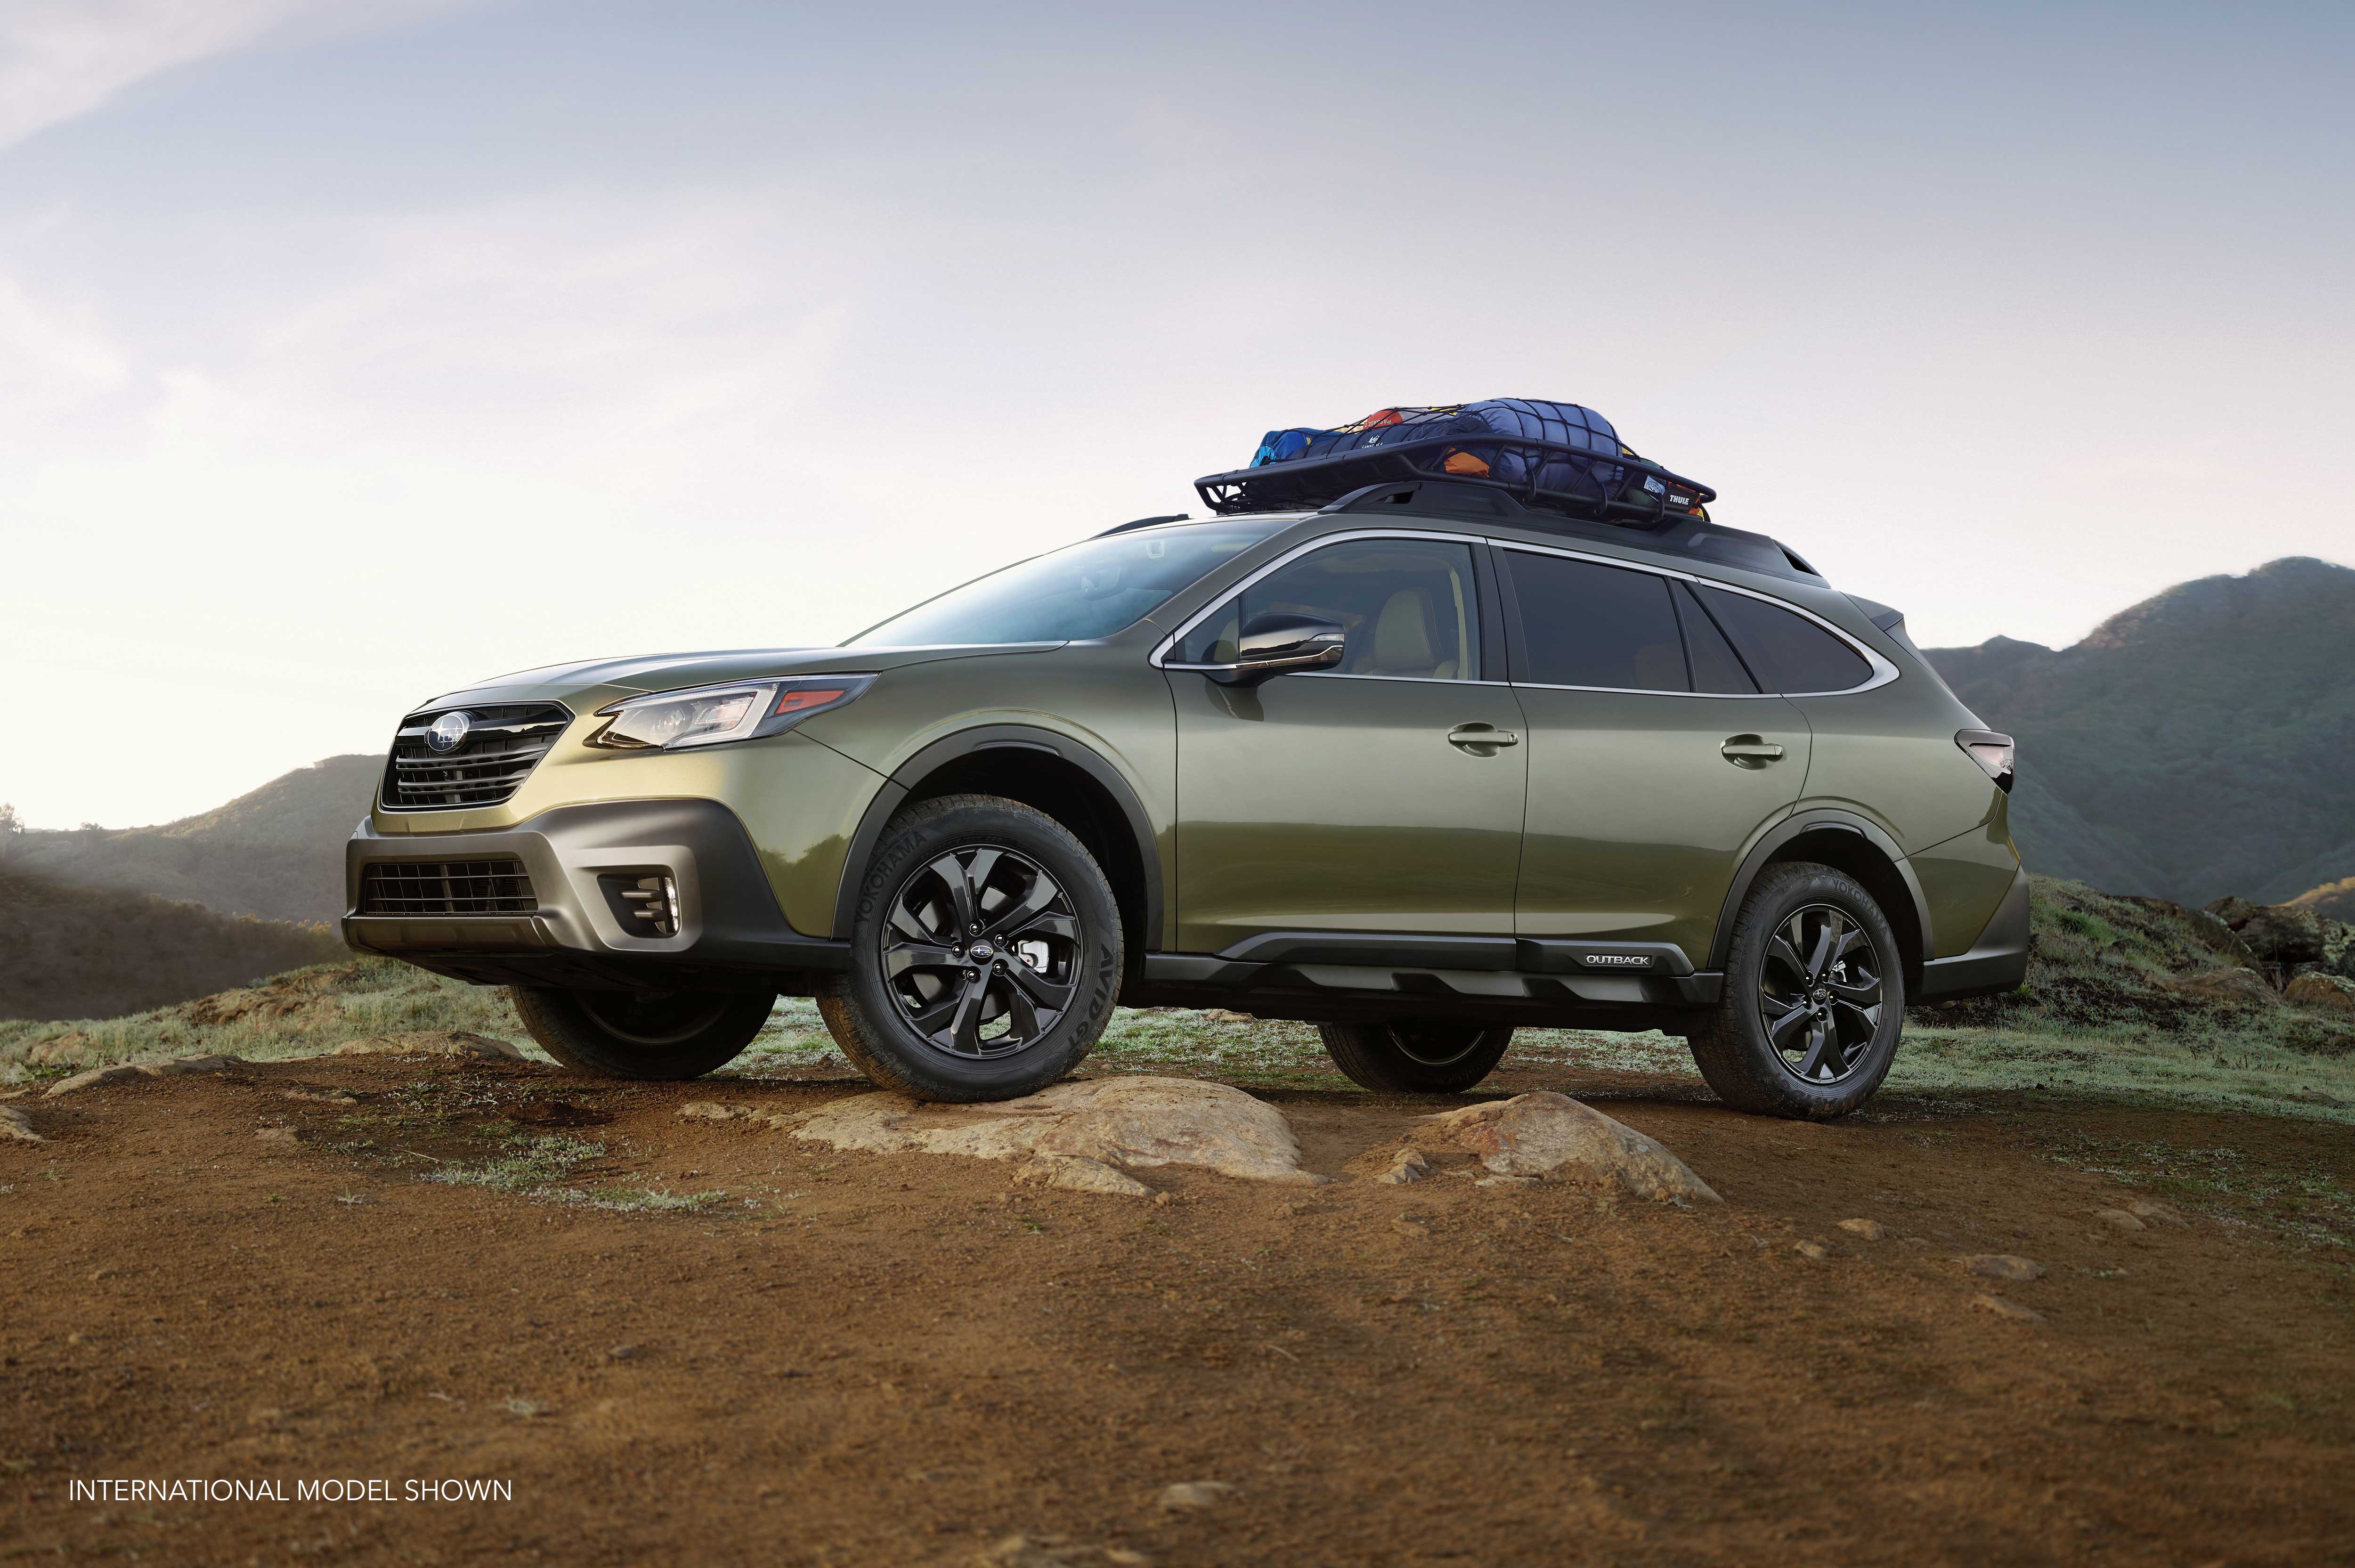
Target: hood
(594,682)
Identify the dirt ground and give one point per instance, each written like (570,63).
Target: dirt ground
(696,1342)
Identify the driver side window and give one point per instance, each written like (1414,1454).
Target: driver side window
(1409,607)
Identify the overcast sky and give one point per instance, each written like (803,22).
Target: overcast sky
(350,352)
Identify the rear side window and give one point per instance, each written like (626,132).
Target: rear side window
(1585,625)
(1715,667)
(1785,651)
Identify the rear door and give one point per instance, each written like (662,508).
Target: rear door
(1655,755)
(1383,795)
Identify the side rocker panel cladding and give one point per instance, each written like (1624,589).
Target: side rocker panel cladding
(932,758)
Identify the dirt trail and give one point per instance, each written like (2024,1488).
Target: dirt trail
(876,1359)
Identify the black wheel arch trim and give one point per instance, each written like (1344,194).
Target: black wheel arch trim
(1819,819)
(909,776)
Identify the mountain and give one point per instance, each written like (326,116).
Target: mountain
(2195,745)
(277,852)
(91,953)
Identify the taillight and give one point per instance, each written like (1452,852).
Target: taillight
(1992,751)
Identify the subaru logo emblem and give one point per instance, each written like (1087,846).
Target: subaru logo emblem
(449,731)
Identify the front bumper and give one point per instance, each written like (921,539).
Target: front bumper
(730,934)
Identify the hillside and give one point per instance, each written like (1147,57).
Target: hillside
(2194,746)
(276,852)
(68,949)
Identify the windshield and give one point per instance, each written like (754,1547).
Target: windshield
(1089,590)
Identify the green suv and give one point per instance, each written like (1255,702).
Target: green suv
(1420,767)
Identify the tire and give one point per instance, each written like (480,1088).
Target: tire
(643,1034)
(1415,1056)
(1814,998)
(969,875)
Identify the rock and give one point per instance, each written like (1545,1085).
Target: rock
(1408,1166)
(1545,1133)
(2325,992)
(434,1042)
(1072,1174)
(1055,1551)
(278,1134)
(173,1066)
(2002,1309)
(2003,1265)
(1870,1230)
(2277,933)
(2227,985)
(17,1126)
(1133,1122)
(121,1071)
(1815,1250)
(67,1046)
(2117,1219)
(2151,1209)
(625,1352)
(1192,1497)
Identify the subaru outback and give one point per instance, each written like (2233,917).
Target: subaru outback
(1421,766)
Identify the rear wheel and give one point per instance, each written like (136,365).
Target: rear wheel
(1814,999)
(642,1034)
(986,954)
(1415,1056)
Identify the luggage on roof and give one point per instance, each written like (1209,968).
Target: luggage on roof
(1558,457)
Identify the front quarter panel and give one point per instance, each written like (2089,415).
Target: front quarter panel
(1101,696)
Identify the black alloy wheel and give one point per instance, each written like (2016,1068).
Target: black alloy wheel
(670,1035)
(1820,994)
(1416,1056)
(981,950)
(987,953)
(1813,1004)
(654,1017)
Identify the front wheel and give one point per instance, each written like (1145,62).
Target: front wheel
(642,1034)
(986,954)
(1814,998)
(1414,1057)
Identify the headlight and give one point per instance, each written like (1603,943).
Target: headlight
(709,715)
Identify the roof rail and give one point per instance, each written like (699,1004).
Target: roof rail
(1144,523)
(1689,535)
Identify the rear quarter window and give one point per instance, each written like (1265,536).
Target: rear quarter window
(1786,651)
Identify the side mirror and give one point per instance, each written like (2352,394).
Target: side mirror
(1279,643)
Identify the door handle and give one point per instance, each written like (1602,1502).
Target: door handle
(1750,751)
(1481,740)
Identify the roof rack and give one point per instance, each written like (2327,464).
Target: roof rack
(1620,488)
(1675,535)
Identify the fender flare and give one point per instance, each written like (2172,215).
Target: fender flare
(1812,820)
(904,779)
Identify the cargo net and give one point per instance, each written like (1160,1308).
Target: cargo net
(1554,456)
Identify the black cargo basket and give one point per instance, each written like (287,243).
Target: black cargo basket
(1623,489)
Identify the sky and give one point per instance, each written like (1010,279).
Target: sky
(353,350)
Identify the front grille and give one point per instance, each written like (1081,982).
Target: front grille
(446,886)
(502,744)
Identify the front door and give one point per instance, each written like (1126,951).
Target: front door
(1654,756)
(1381,795)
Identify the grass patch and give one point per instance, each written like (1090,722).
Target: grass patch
(537,1165)
(304,1012)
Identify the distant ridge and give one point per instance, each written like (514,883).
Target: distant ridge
(2197,744)
(90,953)
(276,852)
